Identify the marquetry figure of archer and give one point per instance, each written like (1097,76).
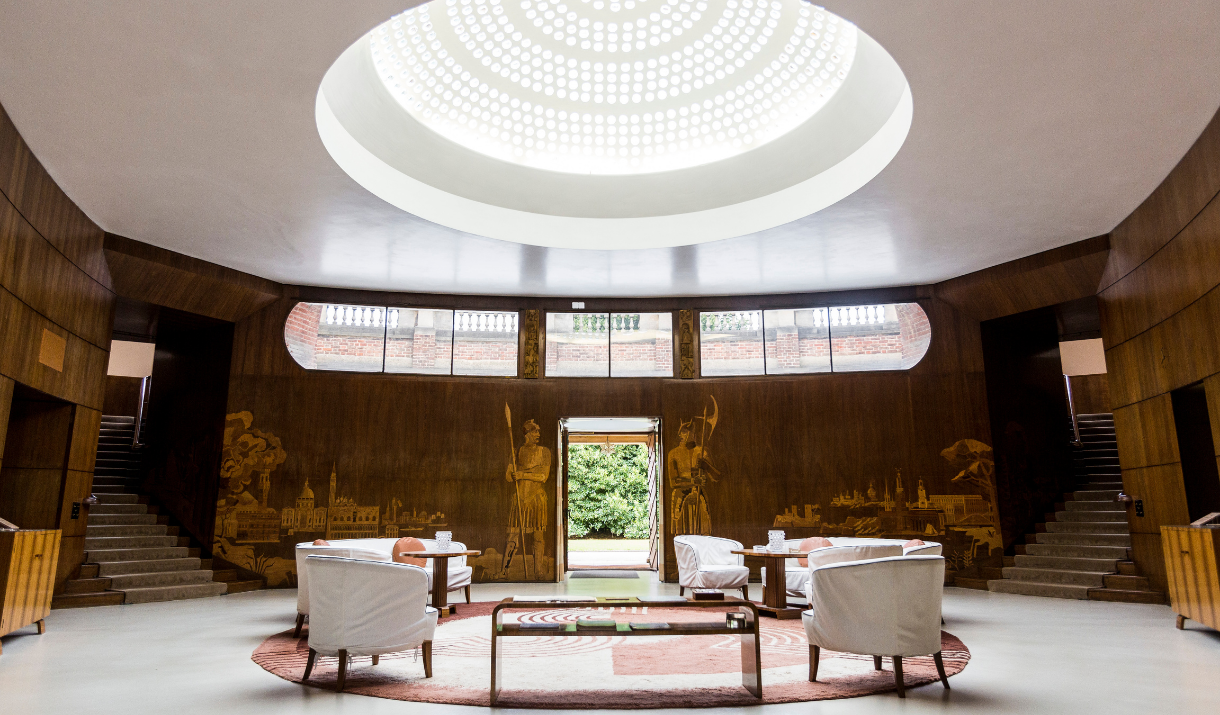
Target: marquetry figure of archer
(528,514)
(689,472)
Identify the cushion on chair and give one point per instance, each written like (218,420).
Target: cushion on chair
(321,542)
(408,543)
(813,542)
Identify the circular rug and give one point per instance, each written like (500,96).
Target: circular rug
(604,671)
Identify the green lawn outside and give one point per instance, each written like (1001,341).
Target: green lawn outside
(607,544)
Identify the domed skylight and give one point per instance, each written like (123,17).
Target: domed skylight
(618,87)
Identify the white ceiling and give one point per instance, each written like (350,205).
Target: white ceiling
(190,125)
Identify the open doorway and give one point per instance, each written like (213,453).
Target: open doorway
(609,500)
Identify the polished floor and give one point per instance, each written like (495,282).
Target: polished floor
(1030,655)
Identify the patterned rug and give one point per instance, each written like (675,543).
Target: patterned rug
(605,671)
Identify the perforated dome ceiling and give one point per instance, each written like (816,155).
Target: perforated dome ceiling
(613,88)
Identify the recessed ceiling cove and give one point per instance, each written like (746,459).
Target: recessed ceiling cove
(614,125)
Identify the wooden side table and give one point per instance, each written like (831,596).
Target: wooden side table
(775,590)
(440,575)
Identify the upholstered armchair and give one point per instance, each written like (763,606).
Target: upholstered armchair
(878,607)
(360,607)
(709,562)
(365,549)
(847,550)
(459,573)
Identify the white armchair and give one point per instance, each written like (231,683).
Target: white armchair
(709,562)
(361,607)
(879,607)
(372,550)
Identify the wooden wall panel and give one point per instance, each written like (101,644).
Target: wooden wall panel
(1192,184)
(439,447)
(155,275)
(6,403)
(1091,394)
(1169,281)
(1146,435)
(1159,304)
(28,186)
(1212,387)
(122,396)
(1147,553)
(1048,278)
(53,281)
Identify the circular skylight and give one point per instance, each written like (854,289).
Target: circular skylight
(618,87)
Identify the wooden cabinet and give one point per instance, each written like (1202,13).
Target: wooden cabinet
(1192,560)
(27,577)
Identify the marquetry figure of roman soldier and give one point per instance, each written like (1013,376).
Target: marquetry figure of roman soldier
(529,513)
(689,470)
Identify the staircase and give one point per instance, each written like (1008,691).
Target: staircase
(1083,551)
(132,554)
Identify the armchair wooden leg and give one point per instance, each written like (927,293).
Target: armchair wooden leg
(313,656)
(940,669)
(467,589)
(342,670)
(902,687)
(876,662)
(42,626)
(681,590)
(745,594)
(427,659)
(376,659)
(1181,622)
(296,632)
(814,653)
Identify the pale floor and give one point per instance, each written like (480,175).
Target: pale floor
(1030,655)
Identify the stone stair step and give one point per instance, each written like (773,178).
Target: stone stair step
(88,571)
(1126,596)
(167,552)
(118,499)
(114,530)
(1106,506)
(107,543)
(1068,563)
(84,600)
(979,584)
(1104,516)
(1035,588)
(122,568)
(152,579)
(1104,484)
(87,585)
(1091,579)
(1088,527)
(174,593)
(1127,568)
(1084,539)
(100,489)
(1128,582)
(119,509)
(117,519)
(243,586)
(1097,495)
(1077,551)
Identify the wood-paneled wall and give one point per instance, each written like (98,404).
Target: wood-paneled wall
(1160,305)
(56,298)
(437,448)
(1091,394)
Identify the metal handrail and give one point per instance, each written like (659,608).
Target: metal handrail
(135,435)
(1067,381)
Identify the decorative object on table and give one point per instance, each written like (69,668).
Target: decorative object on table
(760,547)
(735,620)
(887,607)
(775,541)
(540,626)
(606,673)
(344,593)
(710,562)
(443,539)
(649,626)
(707,594)
(596,624)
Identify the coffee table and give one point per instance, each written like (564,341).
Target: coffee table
(775,590)
(751,657)
(440,575)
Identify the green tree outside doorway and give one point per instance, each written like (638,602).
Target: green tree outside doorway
(608,491)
